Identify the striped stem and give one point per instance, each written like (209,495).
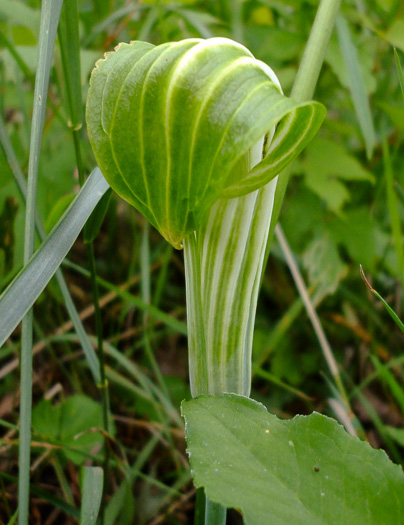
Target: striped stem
(223,265)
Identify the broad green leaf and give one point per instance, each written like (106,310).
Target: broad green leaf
(358,232)
(92,481)
(324,266)
(395,33)
(30,282)
(172,127)
(303,471)
(80,424)
(72,424)
(326,164)
(46,420)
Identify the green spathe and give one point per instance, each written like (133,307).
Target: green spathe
(302,471)
(172,126)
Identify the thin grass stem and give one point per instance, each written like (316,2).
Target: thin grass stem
(49,21)
(315,321)
(215,514)
(314,52)
(305,84)
(70,52)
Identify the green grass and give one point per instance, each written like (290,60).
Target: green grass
(333,217)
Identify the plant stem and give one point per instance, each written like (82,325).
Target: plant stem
(305,83)
(100,342)
(146,296)
(70,53)
(314,53)
(103,385)
(215,514)
(315,321)
(223,265)
(49,21)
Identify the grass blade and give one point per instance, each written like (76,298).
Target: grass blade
(70,53)
(390,310)
(30,282)
(13,518)
(304,86)
(388,378)
(315,321)
(50,14)
(91,489)
(148,24)
(70,307)
(153,311)
(357,86)
(14,53)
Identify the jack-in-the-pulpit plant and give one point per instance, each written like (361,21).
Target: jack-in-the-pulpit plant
(193,135)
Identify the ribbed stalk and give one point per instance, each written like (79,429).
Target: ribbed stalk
(223,264)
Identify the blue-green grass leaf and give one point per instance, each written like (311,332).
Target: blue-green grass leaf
(91,490)
(30,282)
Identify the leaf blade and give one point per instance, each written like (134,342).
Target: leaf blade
(307,470)
(91,490)
(26,287)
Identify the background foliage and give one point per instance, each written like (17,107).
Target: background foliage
(344,207)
